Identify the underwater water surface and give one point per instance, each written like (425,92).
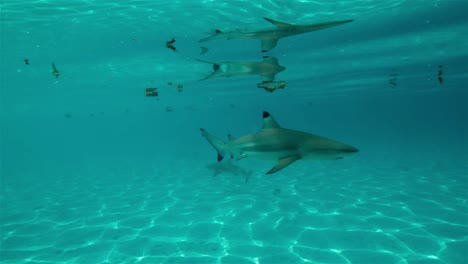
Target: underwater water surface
(93,169)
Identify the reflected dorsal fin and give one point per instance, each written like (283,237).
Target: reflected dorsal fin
(270,59)
(269,121)
(268,44)
(278,23)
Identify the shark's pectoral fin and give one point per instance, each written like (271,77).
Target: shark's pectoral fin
(215,72)
(242,156)
(268,44)
(283,163)
(278,23)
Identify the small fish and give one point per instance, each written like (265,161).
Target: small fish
(26,61)
(170,46)
(439,75)
(179,87)
(55,72)
(393,78)
(151,92)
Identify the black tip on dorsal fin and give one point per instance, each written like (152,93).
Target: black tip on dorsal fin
(266,114)
(217,31)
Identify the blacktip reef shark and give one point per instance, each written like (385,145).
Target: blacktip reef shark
(270,37)
(281,144)
(267,68)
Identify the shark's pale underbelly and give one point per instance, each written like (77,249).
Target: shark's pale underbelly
(268,152)
(275,152)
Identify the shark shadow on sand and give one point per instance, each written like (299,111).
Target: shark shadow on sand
(227,167)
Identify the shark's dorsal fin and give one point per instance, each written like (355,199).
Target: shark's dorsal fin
(278,23)
(268,78)
(268,121)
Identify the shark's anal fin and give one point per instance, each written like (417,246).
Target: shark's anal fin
(283,163)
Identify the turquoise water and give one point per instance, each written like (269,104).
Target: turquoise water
(93,171)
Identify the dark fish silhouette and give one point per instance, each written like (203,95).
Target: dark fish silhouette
(169,44)
(55,72)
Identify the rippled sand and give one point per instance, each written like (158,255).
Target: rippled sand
(309,214)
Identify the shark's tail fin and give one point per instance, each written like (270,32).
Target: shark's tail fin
(217,143)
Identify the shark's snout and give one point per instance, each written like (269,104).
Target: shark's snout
(350,150)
